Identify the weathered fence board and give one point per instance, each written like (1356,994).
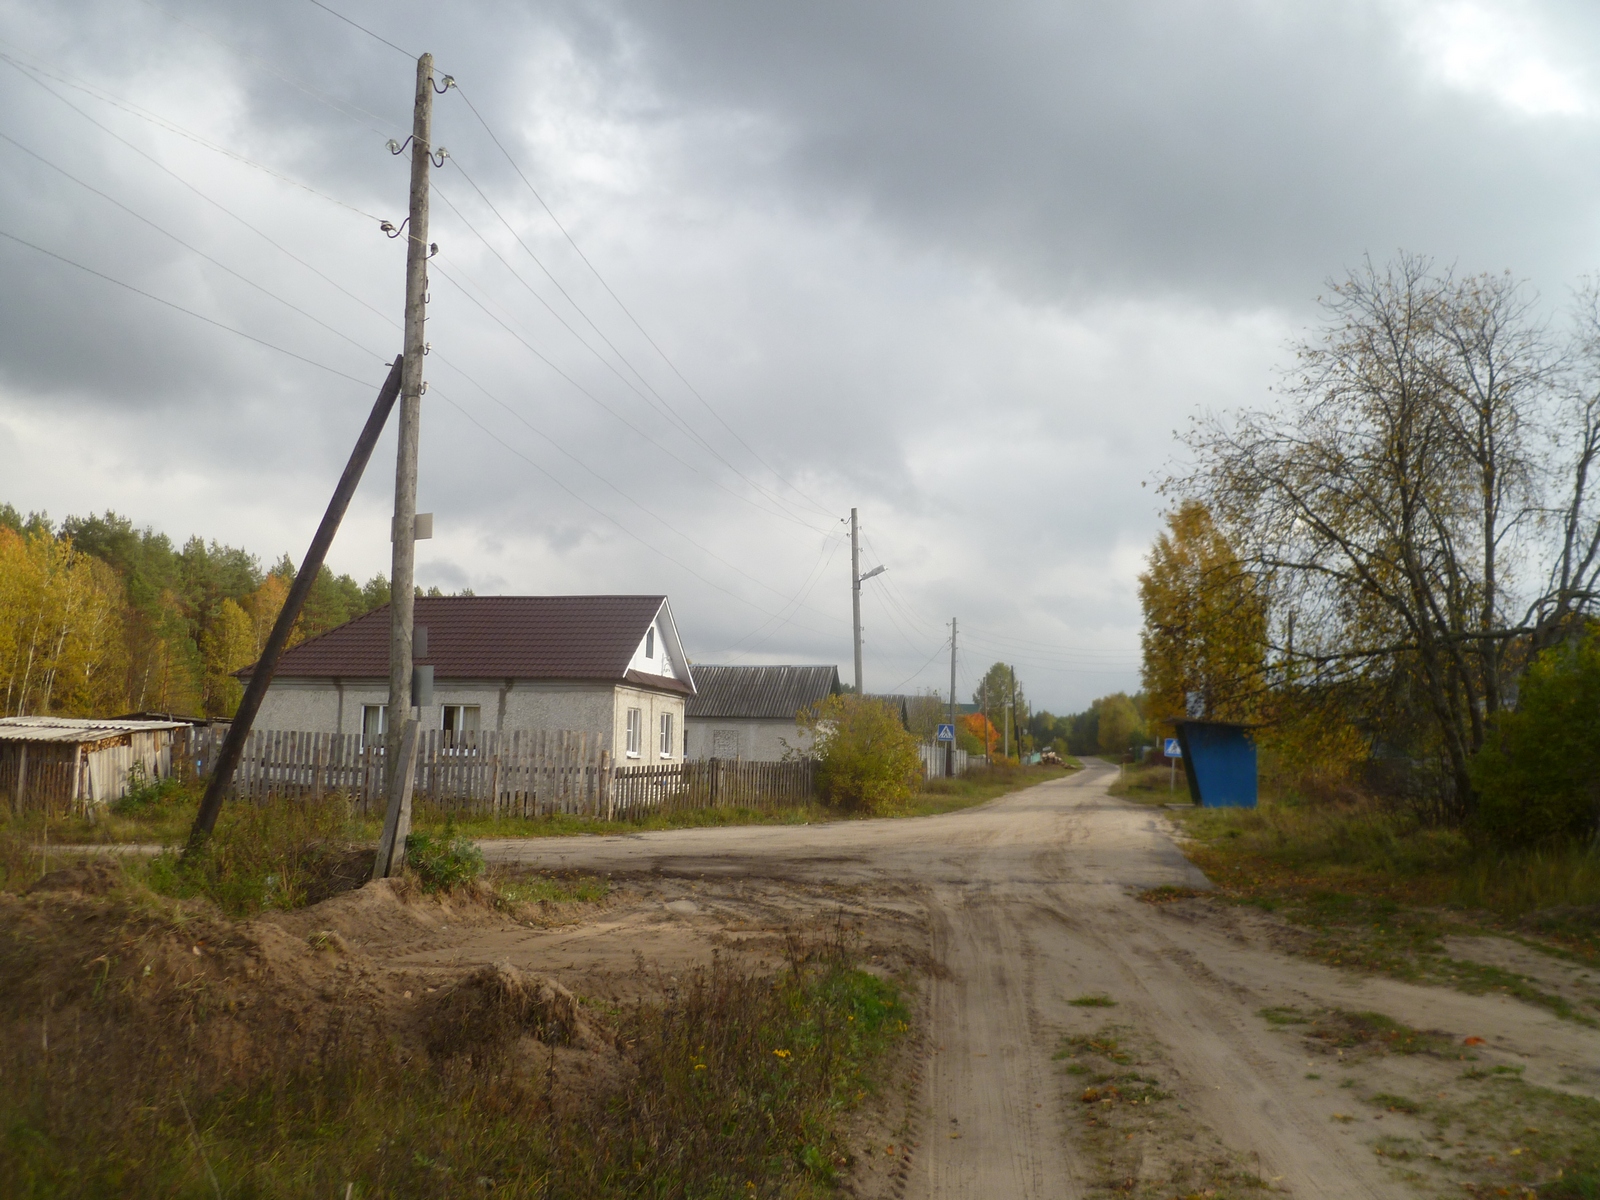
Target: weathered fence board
(523,773)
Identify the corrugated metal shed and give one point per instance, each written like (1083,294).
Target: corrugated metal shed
(758,693)
(76,730)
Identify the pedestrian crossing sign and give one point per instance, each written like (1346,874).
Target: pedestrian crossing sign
(947,733)
(1172,749)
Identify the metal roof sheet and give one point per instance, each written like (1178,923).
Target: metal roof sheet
(74,729)
(761,693)
(490,637)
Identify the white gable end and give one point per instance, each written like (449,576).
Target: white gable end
(660,652)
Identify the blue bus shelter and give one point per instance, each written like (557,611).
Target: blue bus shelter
(1219,762)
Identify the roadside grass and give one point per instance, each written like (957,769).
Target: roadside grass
(1142,1141)
(726,1084)
(1151,785)
(1488,1132)
(1377,891)
(548,887)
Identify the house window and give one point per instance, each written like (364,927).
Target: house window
(666,735)
(458,719)
(374,723)
(635,732)
(650,642)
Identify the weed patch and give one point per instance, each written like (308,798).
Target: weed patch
(279,854)
(1127,1119)
(443,861)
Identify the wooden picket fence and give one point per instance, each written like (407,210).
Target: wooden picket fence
(516,774)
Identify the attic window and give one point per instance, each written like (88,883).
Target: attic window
(650,642)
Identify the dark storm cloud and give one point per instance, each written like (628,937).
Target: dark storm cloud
(1233,150)
(964,266)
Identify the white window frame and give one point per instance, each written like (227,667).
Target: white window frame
(666,735)
(383,722)
(650,643)
(635,732)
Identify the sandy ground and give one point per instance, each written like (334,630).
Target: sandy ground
(1010,912)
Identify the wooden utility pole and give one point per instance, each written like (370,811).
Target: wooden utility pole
(402,586)
(950,756)
(855,593)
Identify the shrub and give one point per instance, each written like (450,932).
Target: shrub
(144,793)
(1536,776)
(443,862)
(867,760)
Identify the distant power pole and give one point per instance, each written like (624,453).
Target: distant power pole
(855,592)
(856,580)
(950,757)
(402,584)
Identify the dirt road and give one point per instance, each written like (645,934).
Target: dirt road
(1027,904)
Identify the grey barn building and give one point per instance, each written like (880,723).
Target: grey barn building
(609,666)
(750,713)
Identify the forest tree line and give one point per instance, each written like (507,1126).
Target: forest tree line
(99,617)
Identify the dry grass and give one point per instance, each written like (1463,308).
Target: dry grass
(137,1068)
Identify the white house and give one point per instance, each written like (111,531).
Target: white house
(750,713)
(610,666)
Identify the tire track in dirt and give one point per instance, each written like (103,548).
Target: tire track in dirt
(1032,902)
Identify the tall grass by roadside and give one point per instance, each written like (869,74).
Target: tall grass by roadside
(1379,852)
(275,854)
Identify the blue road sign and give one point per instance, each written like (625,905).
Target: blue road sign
(947,733)
(1171,748)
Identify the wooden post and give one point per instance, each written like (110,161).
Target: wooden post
(397,821)
(261,675)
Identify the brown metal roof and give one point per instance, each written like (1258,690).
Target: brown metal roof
(491,637)
(760,693)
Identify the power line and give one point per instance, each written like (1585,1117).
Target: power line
(663,406)
(820,508)
(922,668)
(180,308)
(608,517)
(134,110)
(187,246)
(339,106)
(364,29)
(709,553)
(587,394)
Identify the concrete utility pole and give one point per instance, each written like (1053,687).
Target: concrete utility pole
(402,587)
(950,753)
(855,592)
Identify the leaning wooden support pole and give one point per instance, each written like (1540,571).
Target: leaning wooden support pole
(397,821)
(261,676)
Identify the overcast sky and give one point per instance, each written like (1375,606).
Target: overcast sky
(965,267)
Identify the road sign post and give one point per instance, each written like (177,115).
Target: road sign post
(1173,749)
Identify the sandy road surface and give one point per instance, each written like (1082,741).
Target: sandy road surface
(1031,901)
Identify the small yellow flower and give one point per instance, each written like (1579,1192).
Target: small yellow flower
(699,1066)
(781,1053)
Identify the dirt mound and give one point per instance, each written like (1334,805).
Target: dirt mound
(497,1004)
(94,877)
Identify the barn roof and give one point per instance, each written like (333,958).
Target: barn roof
(493,637)
(773,693)
(75,729)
